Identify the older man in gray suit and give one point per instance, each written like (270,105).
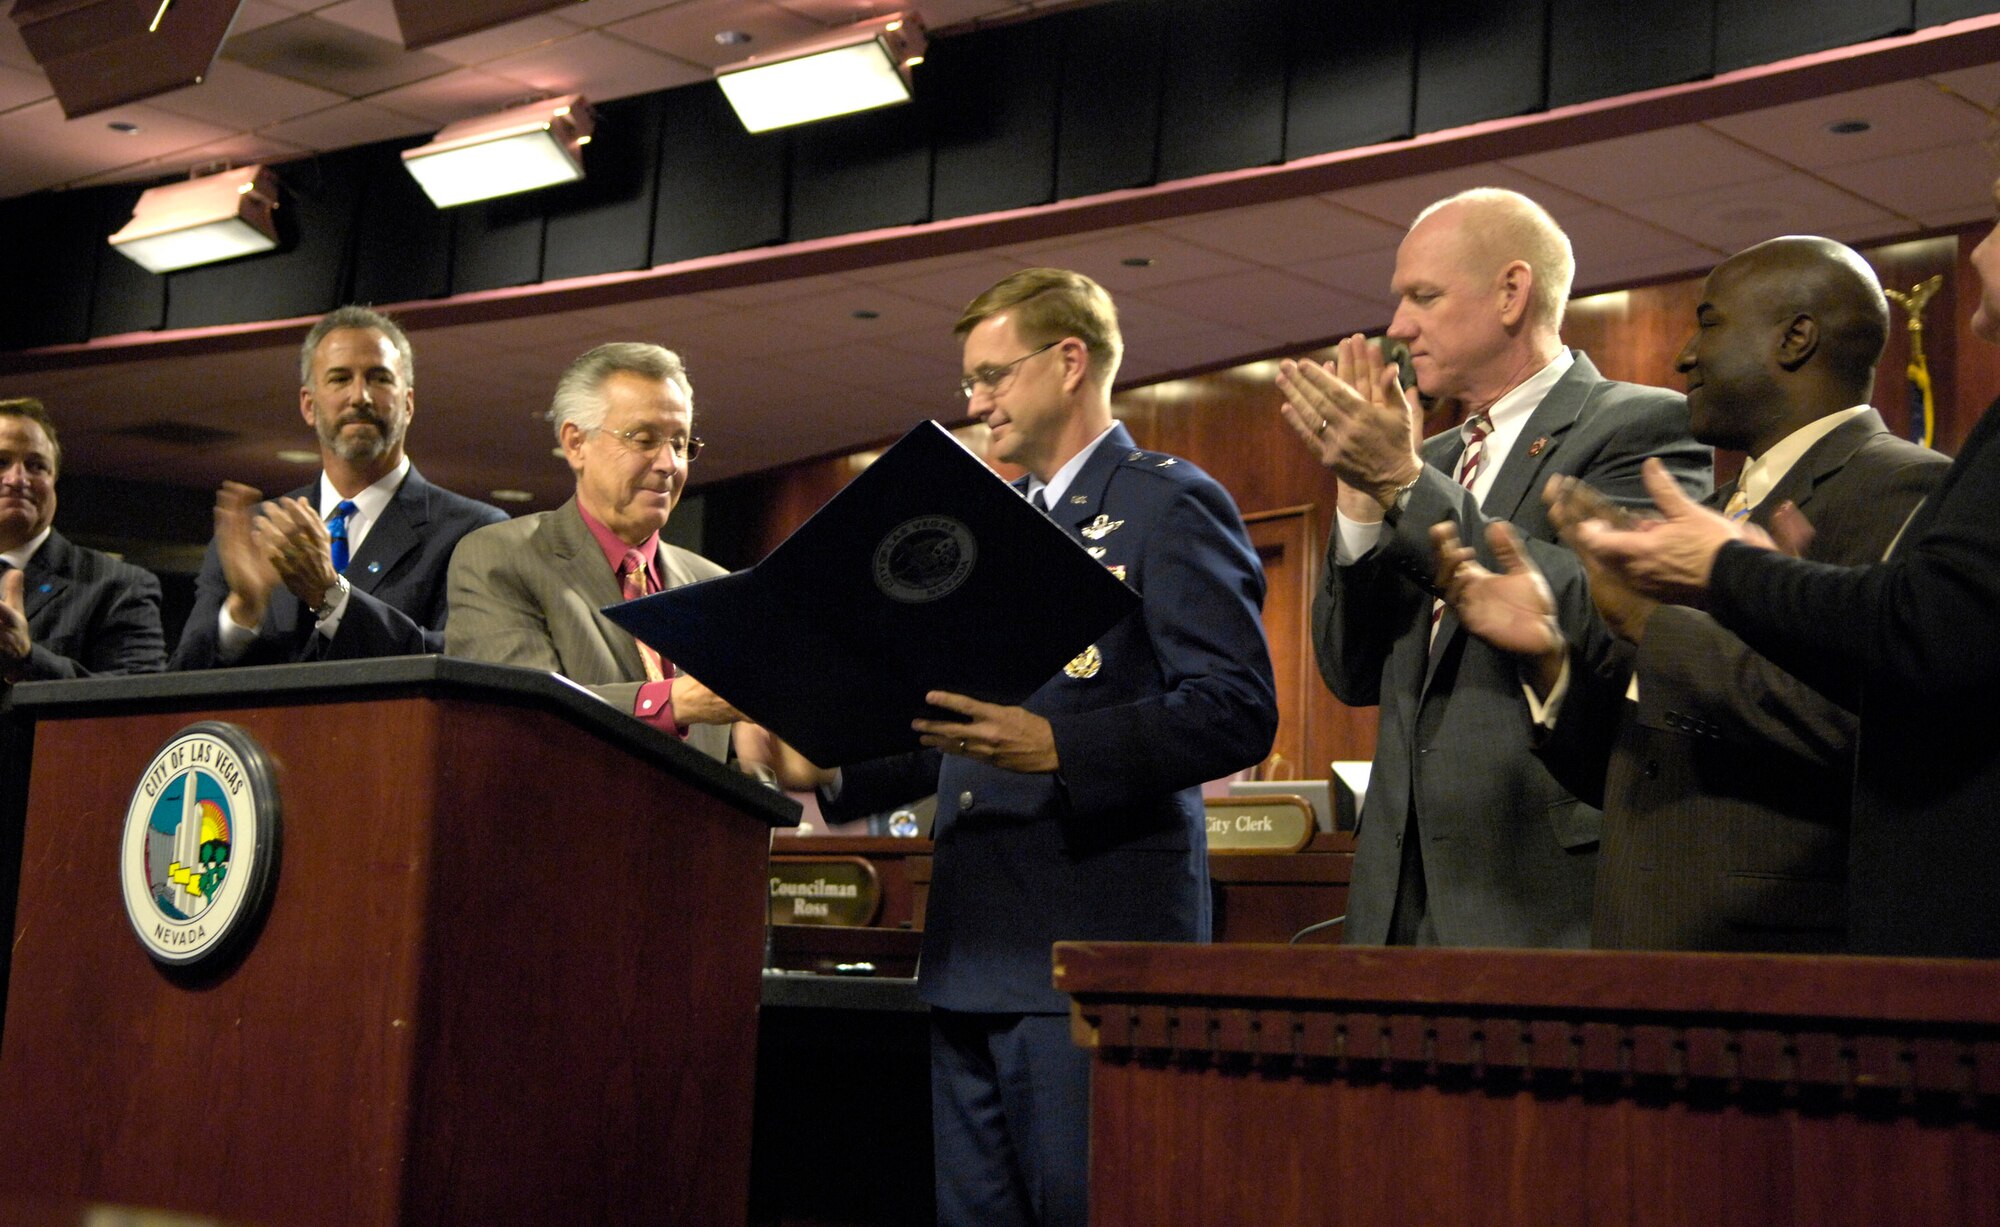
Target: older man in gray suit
(1466,839)
(528,592)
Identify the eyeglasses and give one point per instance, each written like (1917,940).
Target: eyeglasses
(648,443)
(993,378)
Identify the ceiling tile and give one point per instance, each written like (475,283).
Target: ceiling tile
(461,94)
(1102,255)
(1731,218)
(20,86)
(239,97)
(604,68)
(1602,237)
(13,51)
(1153,327)
(831,317)
(763,293)
(246,149)
(256,14)
(1274,304)
(1211,347)
(376,17)
(605,12)
(847,12)
(1938,187)
(687,31)
(1670,161)
(350,123)
(503,40)
(943,14)
(1364,276)
(38,135)
(1282,233)
(945,281)
(1978,85)
(1399,201)
(1904,116)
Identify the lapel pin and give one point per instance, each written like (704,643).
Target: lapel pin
(374,568)
(1103,524)
(1079,499)
(1535,448)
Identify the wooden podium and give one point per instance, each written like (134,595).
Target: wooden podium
(509,972)
(1376,1087)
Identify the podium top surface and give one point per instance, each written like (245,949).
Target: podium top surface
(433,676)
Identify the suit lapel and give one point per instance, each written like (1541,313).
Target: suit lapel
(46,576)
(1821,461)
(580,565)
(1520,474)
(399,531)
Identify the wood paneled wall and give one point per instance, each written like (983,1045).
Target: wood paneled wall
(1227,422)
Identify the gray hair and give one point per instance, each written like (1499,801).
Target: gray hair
(579,394)
(357,317)
(1506,226)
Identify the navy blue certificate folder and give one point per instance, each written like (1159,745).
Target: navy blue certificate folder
(928,572)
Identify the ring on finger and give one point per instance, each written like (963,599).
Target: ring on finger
(1319,431)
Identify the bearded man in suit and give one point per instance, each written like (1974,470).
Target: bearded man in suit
(352,566)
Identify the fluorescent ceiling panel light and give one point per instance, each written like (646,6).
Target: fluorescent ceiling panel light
(217,217)
(517,150)
(855,68)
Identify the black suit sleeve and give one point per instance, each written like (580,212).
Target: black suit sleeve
(121,633)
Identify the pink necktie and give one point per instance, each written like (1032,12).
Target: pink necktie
(1474,429)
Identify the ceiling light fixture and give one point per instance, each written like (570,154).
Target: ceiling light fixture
(854,68)
(216,217)
(516,150)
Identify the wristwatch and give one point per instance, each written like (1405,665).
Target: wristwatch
(330,599)
(1400,501)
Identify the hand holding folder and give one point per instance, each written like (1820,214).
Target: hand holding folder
(928,572)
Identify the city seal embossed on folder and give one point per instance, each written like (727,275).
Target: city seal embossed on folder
(200,843)
(924,558)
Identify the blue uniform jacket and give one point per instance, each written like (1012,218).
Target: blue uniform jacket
(1112,846)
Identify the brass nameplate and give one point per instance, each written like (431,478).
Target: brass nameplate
(824,890)
(1267,824)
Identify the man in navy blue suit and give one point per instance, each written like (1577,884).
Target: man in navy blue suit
(353,565)
(65,611)
(1078,814)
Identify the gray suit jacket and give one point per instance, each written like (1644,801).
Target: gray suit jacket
(1726,788)
(527,593)
(1509,856)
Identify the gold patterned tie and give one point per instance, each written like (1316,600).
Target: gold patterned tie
(635,578)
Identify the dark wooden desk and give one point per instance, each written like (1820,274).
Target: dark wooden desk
(1267,1085)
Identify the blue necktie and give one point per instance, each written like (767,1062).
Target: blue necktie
(336,528)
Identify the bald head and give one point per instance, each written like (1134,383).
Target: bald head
(1804,275)
(1494,227)
(1787,331)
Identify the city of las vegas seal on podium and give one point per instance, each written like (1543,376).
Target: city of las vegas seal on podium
(200,843)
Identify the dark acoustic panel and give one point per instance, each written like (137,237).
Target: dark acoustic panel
(991,97)
(1749,32)
(54,243)
(1224,107)
(1479,60)
(1109,126)
(402,242)
(1937,12)
(124,297)
(99,54)
(605,223)
(497,243)
(1353,77)
(307,275)
(860,172)
(720,188)
(1597,50)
